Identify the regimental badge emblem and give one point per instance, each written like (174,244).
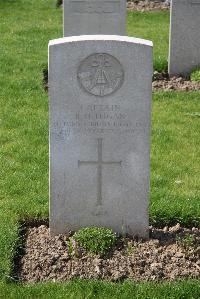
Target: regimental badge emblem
(100,74)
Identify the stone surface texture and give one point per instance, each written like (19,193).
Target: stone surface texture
(184,55)
(94,17)
(100,105)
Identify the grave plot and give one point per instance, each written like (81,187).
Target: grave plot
(171,253)
(162,82)
(148,5)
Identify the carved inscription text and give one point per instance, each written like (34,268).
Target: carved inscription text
(98,119)
(195,2)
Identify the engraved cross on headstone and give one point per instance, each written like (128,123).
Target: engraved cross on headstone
(99,164)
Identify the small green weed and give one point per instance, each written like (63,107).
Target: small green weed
(130,248)
(195,75)
(187,241)
(96,239)
(70,246)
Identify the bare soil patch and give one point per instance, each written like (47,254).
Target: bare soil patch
(147,5)
(162,82)
(171,253)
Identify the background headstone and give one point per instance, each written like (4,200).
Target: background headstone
(184,52)
(100,107)
(94,17)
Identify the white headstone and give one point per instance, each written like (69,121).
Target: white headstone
(100,107)
(184,53)
(94,17)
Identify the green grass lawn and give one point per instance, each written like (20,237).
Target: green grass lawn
(153,26)
(26,28)
(103,290)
